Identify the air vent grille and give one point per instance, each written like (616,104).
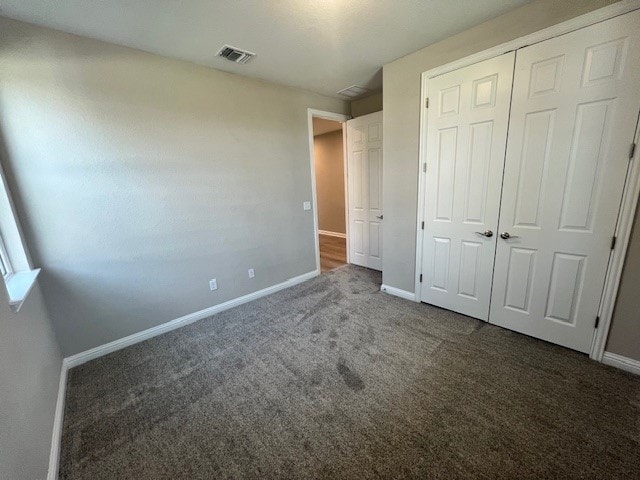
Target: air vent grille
(236,55)
(353,91)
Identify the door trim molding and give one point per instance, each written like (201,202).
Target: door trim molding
(337,117)
(626,215)
(623,363)
(632,186)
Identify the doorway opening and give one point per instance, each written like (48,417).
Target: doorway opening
(331,191)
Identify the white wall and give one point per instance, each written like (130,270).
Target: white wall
(30,362)
(139,178)
(401,102)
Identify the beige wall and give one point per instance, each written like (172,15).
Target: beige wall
(401,102)
(139,178)
(367,105)
(30,362)
(329,158)
(624,336)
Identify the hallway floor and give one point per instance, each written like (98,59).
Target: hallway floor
(333,252)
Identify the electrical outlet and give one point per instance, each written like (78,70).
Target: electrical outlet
(213,284)
(251,272)
(306,205)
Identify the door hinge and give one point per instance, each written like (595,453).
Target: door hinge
(420,278)
(597,322)
(424,167)
(613,242)
(422,225)
(426,102)
(632,150)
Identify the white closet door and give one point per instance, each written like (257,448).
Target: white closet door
(364,171)
(575,104)
(466,139)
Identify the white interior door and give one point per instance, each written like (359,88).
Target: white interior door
(364,172)
(466,139)
(575,104)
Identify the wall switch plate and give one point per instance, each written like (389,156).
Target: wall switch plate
(213,284)
(306,205)
(251,272)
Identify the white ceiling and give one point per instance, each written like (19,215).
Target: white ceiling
(318,45)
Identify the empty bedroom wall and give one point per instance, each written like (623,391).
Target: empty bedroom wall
(30,362)
(139,178)
(328,155)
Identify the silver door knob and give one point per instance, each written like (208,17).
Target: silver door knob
(380,216)
(507,235)
(486,233)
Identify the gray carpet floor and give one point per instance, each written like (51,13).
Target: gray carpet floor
(334,379)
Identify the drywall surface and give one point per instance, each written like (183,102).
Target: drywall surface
(140,178)
(624,335)
(367,105)
(401,101)
(30,362)
(329,159)
(322,125)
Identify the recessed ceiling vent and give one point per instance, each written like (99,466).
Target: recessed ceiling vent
(235,54)
(353,91)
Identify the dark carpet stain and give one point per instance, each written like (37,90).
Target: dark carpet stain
(351,378)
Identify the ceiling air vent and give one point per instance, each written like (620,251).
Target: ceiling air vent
(235,54)
(353,91)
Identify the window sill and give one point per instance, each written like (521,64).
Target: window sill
(19,285)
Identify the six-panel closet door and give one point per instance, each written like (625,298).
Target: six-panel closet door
(571,111)
(573,117)
(466,138)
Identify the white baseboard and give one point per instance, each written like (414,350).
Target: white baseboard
(396,292)
(332,234)
(56,437)
(624,363)
(102,350)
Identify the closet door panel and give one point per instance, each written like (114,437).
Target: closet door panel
(573,118)
(466,140)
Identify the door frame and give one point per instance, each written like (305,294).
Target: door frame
(631,191)
(336,117)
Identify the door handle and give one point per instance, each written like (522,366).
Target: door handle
(507,235)
(380,216)
(486,233)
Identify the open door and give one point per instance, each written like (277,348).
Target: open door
(364,163)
